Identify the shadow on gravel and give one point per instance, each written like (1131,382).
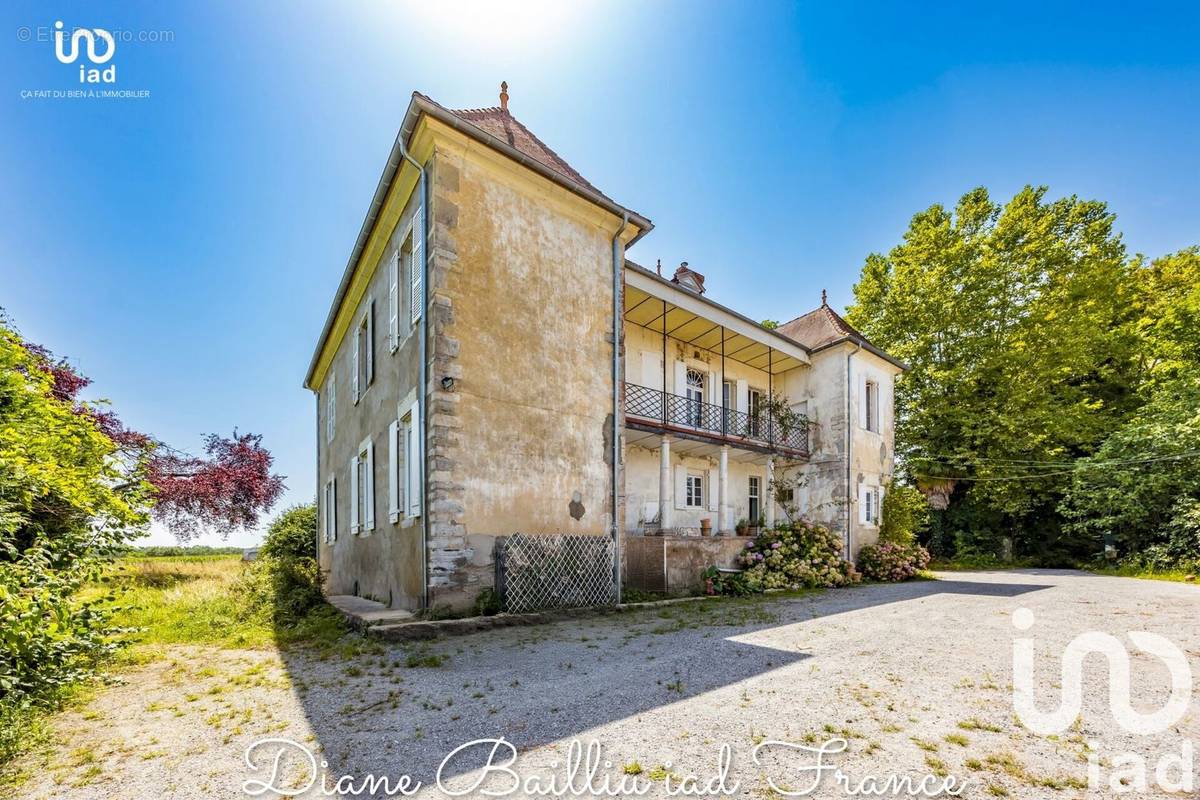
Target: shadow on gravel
(400,709)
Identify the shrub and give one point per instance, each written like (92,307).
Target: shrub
(285,588)
(488,603)
(905,513)
(888,561)
(732,584)
(803,556)
(292,533)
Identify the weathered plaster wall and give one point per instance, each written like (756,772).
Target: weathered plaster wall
(872,454)
(522,291)
(641,490)
(384,563)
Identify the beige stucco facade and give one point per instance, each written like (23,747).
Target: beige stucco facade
(512,431)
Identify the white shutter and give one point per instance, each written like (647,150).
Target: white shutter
(415,462)
(680,385)
(333,517)
(354,377)
(416,289)
(354,495)
(393,479)
(879,504)
(652,377)
(680,486)
(394,301)
(714,388)
(743,396)
(370,488)
(370,342)
(863,387)
(710,491)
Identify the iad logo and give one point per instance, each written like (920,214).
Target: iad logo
(1129,771)
(88,35)
(1071,700)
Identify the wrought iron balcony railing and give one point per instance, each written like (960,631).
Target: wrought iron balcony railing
(684,412)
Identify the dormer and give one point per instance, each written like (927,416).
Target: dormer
(688,279)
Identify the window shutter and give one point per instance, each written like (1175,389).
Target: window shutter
(333,517)
(370,342)
(714,388)
(394,301)
(680,486)
(354,377)
(679,387)
(370,489)
(324,513)
(710,491)
(331,407)
(743,396)
(415,462)
(416,288)
(393,479)
(354,495)
(862,406)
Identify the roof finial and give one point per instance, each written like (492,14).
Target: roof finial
(504,95)
(824,302)
(658,267)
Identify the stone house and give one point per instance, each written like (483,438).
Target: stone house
(469,384)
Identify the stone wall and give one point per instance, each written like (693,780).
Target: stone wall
(674,563)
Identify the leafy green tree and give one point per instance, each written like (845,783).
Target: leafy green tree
(292,533)
(1016,324)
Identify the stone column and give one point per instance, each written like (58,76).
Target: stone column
(723,492)
(768,500)
(666,499)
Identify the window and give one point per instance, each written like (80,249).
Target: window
(398,473)
(871,406)
(362,489)
(404,464)
(754,499)
(364,351)
(329,510)
(869,497)
(416,289)
(695,397)
(393,331)
(330,406)
(695,490)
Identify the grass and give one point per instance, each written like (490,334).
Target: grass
(1176,575)
(196,600)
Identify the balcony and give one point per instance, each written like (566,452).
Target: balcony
(673,413)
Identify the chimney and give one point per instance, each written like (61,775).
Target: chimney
(504,95)
(688,278)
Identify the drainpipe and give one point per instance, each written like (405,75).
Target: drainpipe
(422,367)
(849,446)
(618,267)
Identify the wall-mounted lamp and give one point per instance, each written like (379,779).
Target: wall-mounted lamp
(448,383)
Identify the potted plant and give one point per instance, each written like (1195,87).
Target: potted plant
(742,527)
(706,527)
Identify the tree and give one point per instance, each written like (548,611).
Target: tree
(1016,324)
(75,487)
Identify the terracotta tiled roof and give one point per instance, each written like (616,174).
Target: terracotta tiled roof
(499,122)
(818,328)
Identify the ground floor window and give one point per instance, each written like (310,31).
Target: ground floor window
(695,490)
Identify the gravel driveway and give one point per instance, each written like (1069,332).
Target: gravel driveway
(916,677)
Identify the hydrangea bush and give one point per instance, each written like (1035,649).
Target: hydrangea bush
(800,556)
(890,561)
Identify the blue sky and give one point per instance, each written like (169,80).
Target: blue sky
(182,249)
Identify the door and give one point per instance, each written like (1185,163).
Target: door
(695,397)
(757,425)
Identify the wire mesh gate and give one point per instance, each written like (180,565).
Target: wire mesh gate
(555,571)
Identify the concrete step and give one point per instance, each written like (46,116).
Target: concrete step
(362,613)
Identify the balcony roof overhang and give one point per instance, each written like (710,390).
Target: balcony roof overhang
(656,304)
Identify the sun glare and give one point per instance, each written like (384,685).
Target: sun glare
(494,25)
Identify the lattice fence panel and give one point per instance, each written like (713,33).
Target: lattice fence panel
(556,571)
